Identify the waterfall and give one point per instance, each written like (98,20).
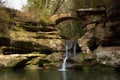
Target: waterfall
(65,59)
(74,49)
(64,64)
(68,50)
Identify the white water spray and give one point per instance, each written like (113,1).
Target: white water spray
(74,49)
(65,59)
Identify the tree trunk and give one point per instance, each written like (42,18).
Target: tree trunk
(58,6)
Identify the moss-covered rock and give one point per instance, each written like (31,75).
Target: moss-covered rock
(54,57)
(9,61)
(108,56)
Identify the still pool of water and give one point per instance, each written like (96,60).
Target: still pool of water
(57,75)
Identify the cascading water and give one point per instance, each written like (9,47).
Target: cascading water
(74,49)
(64,64)
(70,50)
(65,59)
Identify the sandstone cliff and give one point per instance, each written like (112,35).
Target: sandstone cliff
(24,41)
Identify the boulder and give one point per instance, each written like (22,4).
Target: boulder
(9,61)
(109,56)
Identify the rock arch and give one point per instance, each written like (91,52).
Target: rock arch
(58,18)
(64,19)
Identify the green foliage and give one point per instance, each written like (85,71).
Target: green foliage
(40,9)
(88,3)
(70,29)
(1,3)
(43,9)
(4,14)
(98,3)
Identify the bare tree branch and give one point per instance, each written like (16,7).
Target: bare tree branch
(58,6)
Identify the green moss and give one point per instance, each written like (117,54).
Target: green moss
(87,65)
(89,62)
(81,57)
(12,64)
(92,64)
(86,56)
(51,65)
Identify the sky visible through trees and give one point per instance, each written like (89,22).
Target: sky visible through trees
(15,4)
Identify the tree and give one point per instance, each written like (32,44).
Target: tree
(60,2)
(38,9)
(43,9)
(1,3)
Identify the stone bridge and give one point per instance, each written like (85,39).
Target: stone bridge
(60,17)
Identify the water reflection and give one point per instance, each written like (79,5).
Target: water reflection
(57,75)
(64,75)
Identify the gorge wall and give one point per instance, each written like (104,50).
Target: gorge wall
(100,41)
(26,43)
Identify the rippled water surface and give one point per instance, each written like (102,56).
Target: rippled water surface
(57,75)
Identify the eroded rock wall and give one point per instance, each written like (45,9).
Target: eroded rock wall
(25,43)
(103,31)
(110,44)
